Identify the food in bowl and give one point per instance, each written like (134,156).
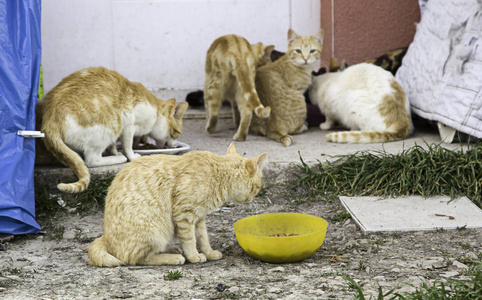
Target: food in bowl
(149,146)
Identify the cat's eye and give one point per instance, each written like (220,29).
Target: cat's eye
(312,51)
(298,51)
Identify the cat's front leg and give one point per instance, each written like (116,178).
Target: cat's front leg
(203,241)
(328,124)
(186,234)
(127,140)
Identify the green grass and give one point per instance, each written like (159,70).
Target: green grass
(457,289)
(93,199)
(341,217)
(429,171)
(173,275)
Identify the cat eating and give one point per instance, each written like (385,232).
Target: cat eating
(281,85)
(231,64)
(89,110)
(366,99)
(157,198)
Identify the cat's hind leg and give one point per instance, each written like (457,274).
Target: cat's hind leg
(161,259)
(212,102)
(236,114)
(284,138)
(278,132)
(94,158)
(246,115)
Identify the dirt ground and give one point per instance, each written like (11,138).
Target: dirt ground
(44,267)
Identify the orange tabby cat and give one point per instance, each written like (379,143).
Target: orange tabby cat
(89,110)
(281,85)
(159,197)
(230,70)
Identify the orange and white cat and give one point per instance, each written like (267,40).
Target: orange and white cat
(366,99)
(231,64)
(158,198)
(89,110)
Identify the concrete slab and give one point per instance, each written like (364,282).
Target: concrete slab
(412,213)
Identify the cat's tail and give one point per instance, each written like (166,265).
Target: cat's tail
(71,159)
(367,137)
(99,257)
(249,91)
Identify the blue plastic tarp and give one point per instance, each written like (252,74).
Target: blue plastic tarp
(20,50)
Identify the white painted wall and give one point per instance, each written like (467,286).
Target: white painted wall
(160,43)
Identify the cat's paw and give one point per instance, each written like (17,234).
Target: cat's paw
(174,250)
(214,255)
(198,258)
(211,124)
(133,156)
(325,126)
(176,260)
(239,137)
(287,140)
(303,128)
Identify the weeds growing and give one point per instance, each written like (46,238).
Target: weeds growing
(173,275)
(415,171)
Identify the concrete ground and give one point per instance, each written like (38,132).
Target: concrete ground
(311,146)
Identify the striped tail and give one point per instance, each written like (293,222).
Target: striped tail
(71,159)
(99,257)
(366,137)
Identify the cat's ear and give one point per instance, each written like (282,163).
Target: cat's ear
(343,65)
(255,164)
(319,36)
(334,65)
(232,149)
(179,110)
(291,36)
(261,160)
(268,50)
(172,101)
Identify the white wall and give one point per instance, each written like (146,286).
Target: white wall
(160,43)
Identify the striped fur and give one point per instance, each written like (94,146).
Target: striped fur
(281,85)
(231,64)
(366,99)
(89,110)
(158,198)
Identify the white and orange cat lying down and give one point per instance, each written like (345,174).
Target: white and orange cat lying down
(158,198)
(89,110)
(366,99)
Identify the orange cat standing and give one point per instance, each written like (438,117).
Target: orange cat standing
(231,64)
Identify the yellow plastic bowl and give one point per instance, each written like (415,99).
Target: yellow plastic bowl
(254,235)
